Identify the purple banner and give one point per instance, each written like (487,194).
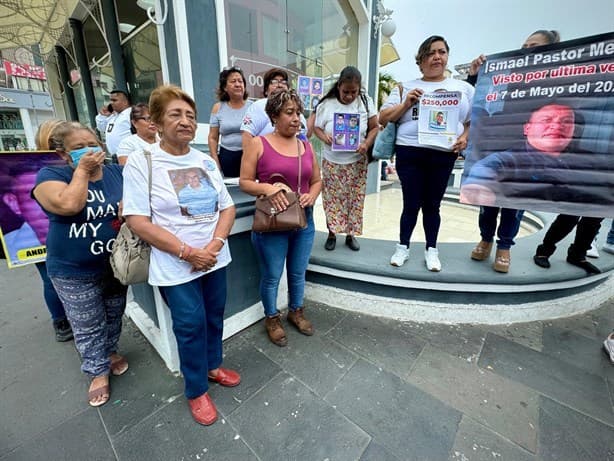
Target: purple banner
(23,224)
(542,130)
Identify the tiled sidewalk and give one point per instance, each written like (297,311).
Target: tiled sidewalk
(362,388)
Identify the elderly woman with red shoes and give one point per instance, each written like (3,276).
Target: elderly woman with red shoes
(189,252)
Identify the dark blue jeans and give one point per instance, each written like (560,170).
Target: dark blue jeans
(197,310)
(276,248)
(610,238)
(230,162)
(55,306)
(508,225)
(424,175)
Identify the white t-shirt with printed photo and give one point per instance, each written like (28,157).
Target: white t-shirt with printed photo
(187,196)
(407,130)
(324,120)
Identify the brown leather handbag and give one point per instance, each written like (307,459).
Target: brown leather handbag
(268,219)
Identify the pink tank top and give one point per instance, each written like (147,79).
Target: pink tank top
(272,164)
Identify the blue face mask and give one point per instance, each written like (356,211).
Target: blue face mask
(76,154)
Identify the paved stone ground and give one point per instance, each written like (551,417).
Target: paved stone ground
(362,388)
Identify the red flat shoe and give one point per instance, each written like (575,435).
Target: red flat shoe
(203,410)
(226,377)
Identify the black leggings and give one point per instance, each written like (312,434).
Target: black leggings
(424,175)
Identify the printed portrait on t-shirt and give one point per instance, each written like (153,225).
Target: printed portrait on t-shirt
(197,197)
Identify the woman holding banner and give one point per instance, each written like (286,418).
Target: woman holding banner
(344,172)
(424,171)
(509,221)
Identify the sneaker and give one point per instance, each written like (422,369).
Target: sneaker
(431,256)
(608,347)
(401,254)
(608,248)
(593,252)
(63,331)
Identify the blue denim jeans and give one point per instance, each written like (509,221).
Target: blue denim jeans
(509,224)
(56,309)
(424,175)
(197,310)
(276,248)
(94,307)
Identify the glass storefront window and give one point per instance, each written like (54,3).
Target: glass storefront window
(316,38)
(81,104)
(103,82)
(12,136)
(142,60)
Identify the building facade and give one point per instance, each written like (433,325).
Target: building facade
(139,45)
(24,101)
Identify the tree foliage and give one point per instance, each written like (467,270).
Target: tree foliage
(385,86)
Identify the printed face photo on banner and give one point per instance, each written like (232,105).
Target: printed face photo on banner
(23,223)
(346,131)
(196,195)
(542,134)
(310,89)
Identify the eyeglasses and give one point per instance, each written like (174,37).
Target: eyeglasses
(232,69)
(147,119)
(278,82)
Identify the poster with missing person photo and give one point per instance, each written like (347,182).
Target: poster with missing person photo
(346,132)
(23,223)
(310,90)
(542,130)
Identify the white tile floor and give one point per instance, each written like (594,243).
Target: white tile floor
(459,223)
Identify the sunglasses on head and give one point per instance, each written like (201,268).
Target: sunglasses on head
(232,69)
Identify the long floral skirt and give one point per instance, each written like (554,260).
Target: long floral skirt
(343,196)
